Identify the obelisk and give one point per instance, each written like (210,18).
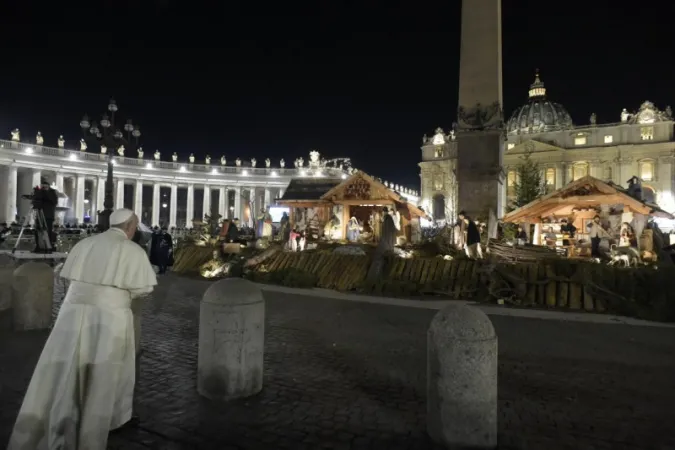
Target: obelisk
(480,130)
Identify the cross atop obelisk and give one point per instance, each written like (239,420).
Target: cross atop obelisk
(479,113)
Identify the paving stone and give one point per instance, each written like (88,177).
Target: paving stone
(342,374)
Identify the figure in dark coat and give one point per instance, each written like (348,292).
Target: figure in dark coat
(284,228)
(161,250)
(233,231)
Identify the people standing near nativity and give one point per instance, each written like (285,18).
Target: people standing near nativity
(284,228)
(161,250)
(83,384)
(388,231)
(471,238)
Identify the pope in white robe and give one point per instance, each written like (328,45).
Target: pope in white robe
(83,383)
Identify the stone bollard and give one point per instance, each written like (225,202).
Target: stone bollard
(7,268)
(231,340)
(32,296)
(462,379)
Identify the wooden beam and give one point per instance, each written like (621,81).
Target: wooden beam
(379,202)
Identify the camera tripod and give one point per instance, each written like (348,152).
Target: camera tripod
(42,239)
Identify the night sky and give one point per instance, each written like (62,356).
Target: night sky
(362,79)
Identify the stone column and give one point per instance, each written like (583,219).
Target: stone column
(559,171)
(138,199)
(100,194)
(480,93)
(281,192)
(35,181)
(462,378)
(222,202)
(190,210)
(237,203)
(268,197)
(10,202)
(119,195)
(155,204)
(37,174)
(79,198)
(59,181)
(173,205)
(207,201)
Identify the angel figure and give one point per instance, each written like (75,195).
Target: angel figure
(39,140)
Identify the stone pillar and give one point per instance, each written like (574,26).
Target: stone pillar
(173,205)
(10,202)
(59,181)
(37,174)
(79,199)
(119,195)
(190,210)
(237,203)
(222,202)
(155,204)
(32,296)
(231,340)
(480,146)
(100,194)
(462,378)
(281,193)
(268,198)
(138,199)
(207,201)
(559,171)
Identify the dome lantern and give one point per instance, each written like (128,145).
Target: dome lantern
(537,89)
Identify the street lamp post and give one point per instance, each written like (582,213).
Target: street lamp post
(111,138)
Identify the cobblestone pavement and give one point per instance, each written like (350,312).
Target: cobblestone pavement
(349,375)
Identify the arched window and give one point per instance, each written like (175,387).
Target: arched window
(438,207)
(647,170)
(579,170)
(648,194)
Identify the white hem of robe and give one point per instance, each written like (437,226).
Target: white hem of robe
(83,383)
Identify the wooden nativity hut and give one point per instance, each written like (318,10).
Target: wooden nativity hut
(578,203)
(314,201)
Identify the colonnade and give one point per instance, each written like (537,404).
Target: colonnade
(243,196)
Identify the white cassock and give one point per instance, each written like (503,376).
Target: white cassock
(83,383)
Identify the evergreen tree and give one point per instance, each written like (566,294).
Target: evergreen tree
(529,184)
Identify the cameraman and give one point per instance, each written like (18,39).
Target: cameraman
(44,199)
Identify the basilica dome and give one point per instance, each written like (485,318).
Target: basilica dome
(538,115)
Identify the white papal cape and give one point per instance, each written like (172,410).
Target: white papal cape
(83,383)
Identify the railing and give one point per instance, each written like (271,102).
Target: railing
(244,169)
(150,164)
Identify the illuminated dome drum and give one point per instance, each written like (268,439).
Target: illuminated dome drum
(538,115)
